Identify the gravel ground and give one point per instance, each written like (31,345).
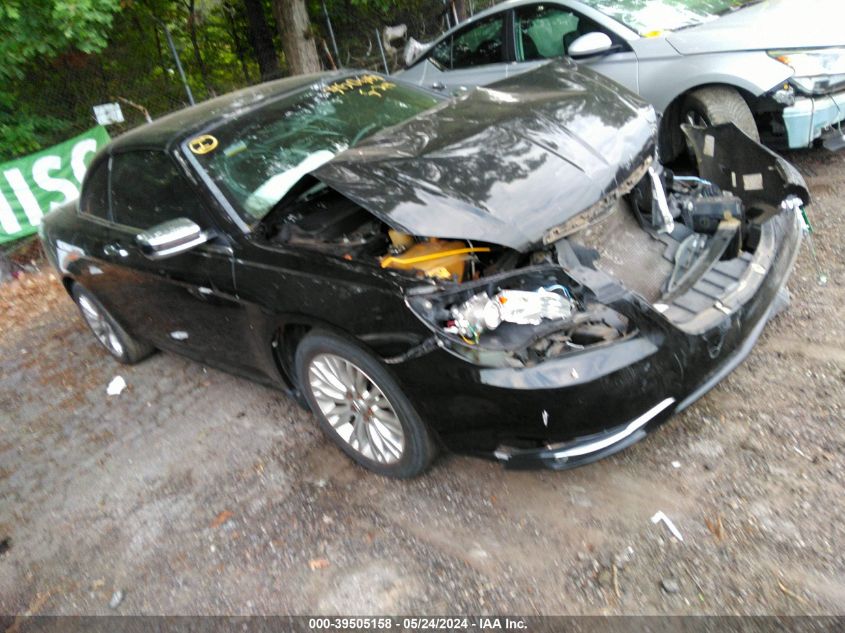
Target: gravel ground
(195,492)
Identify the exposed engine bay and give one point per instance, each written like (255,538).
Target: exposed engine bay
(318,217)
(678,242)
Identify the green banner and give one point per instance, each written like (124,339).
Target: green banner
(32,186)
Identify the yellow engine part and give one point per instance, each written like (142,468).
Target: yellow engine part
(435,258)
(400,240)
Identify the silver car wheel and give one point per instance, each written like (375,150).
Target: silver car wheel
(356,408)
(100,325)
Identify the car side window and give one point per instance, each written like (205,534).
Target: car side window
(95,193)
(148,189)
(546,31)
(441,54)
(479,44)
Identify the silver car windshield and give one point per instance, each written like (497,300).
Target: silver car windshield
(649,17)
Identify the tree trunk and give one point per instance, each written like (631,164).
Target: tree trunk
(297,38)
(261,39)
(461,9)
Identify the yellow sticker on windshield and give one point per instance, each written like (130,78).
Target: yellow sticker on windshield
(367,85)
(203,144)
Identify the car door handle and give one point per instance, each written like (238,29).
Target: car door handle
(115,250)
(437,85)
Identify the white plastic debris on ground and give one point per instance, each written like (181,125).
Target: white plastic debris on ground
(116,385)
(659,516)
(116,599)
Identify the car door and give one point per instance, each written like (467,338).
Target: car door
(475,55)
(171,301)
(546,31)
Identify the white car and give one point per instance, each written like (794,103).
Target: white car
(775,68)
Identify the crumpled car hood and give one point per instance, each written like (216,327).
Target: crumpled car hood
(770,25)
(501,164)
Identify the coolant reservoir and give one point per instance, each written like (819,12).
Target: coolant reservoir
(435,258)
(400,240)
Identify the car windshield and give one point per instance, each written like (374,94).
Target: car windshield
(256,158)
(648,17)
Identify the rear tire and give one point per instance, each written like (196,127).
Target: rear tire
(108,332)
(716,105)
(360,406)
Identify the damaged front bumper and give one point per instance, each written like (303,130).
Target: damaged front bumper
(584,406)
(585,449)
(812,118)
(709,361)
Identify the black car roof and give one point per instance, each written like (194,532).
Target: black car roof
(164,132)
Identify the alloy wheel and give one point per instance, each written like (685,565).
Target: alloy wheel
(356,408)
(100,325)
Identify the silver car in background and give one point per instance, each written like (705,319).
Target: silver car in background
(774,68)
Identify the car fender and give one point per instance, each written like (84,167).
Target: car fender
(285,331)
(416,74)
(663,80)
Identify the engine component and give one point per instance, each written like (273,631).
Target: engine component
(703,214)
(703,206)
(435,258)
(483,313)
(400,241)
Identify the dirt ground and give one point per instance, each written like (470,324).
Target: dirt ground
(194,492)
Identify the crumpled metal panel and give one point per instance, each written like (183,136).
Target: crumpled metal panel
(755,174)
(504,163)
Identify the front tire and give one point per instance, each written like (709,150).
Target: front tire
(117,341)
(716,105)
(359,405)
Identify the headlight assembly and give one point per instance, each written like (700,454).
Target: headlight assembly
(817,71)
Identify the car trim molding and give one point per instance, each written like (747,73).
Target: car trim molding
(630,429)
(581,448)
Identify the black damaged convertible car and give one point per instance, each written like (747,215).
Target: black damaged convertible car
(509,273)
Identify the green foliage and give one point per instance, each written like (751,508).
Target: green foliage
(31,30)
(24,132)
(62,57)
(32,35)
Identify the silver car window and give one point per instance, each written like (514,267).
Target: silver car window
(477,45)
(543,31)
